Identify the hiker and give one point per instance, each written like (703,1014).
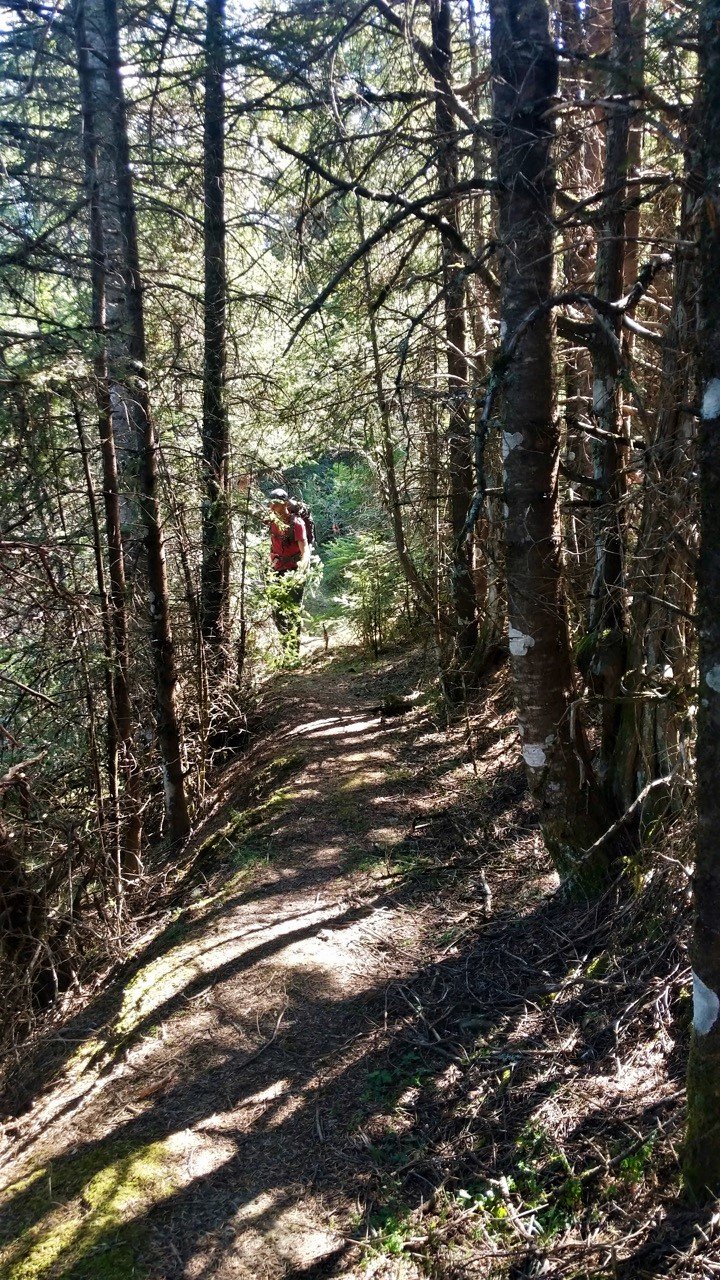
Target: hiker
(290,550)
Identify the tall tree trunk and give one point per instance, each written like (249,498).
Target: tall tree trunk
(525,77)
(216,531)
(488,539)
(702,1154)
(659,678)
(99,178)
(111,742)
(634,84)
(387,471)
(459,439)
(126,370)
(607,621)
(579,177)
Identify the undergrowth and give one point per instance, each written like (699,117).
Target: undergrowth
(525,1118)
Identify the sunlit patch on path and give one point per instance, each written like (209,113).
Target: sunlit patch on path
(184,1131)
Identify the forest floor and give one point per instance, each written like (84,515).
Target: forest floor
(365,1036)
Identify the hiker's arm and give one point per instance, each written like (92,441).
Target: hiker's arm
(306,548)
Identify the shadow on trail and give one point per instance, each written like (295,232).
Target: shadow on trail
(436,1080)
(419,1047)
(289,871)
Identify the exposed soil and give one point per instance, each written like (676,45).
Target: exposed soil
(370,1038)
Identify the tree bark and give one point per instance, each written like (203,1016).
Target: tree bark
(126,370)
(607,620)
(216,530)
(654,725)
(24,918)
(702,1153)
(634,83)
(459,438)
(487,542)
(579,177)
(525,77)
(99,179)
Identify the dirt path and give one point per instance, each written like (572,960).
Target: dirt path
(204,1115)
(371,1041)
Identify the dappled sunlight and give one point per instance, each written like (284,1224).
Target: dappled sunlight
(351,728)
(387,837)
(64,1237)
(359,737)
(330,1039)
(304,730)
(154,984)
(360,781)
(276,1230)
(360,757)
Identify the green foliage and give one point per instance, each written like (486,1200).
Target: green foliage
(390,1229)
(342,496)
(636,1166)
(385,1085)
(362,568)
(541,1186)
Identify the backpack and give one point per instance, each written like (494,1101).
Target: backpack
(302,511)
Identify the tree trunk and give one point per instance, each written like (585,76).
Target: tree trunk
(525,77)
(24,917)
(111,743)
(579,178)
(654,725)
(98,30)
(216,531)
(635,78)
(459,439)
(702,1154)
(488,539)
(607,620)
(99,178)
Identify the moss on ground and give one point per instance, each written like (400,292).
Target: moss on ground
(241,822)
(83,1222)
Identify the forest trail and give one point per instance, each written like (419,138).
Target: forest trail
(368,1040)
(203,1119)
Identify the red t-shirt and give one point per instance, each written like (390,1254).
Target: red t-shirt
(287,544)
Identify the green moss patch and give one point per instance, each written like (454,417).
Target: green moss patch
(82,1223)
(240,823)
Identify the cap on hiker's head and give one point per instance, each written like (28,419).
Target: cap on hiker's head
(279,495)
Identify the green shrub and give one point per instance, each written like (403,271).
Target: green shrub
(362,570)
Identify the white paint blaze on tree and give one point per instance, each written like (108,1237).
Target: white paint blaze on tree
(525,78)
(519,644)
(706,1006)
(711,400)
